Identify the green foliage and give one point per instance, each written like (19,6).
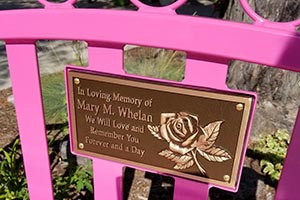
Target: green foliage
(79,47)
(12,178)
(78,180)
(156,63)
(54,98)
(121,2)
(272,150)
(82,179)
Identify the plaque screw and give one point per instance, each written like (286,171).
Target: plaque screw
(226,178)
(239,107)
(81,146)
(76,81)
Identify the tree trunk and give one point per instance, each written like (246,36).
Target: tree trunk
(279,90)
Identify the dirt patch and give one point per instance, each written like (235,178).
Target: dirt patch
(8,122)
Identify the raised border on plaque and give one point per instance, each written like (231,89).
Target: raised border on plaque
(187,131)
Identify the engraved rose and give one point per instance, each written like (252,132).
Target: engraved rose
(180,130)
(186,138)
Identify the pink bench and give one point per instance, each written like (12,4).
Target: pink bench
(263,42)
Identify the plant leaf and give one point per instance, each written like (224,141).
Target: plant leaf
(179,159)
(211,132)
(215,154)
(80,185)
(185,165)
(89,186)
(8,158)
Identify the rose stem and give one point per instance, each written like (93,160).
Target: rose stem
(197,163)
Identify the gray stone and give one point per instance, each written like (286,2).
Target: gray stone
(11,99)
(140,188)
(82,161)
(63,148)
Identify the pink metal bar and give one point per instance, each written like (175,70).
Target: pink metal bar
(258,19)
(190,190)
(170,9)
(29,109)
(288,187)
(205,73)
(106,60)
(66,4)
(210,74)
(210,37)
(106,173)
(107,180)
(251,13)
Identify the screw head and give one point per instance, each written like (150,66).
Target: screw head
(76,81)
(226,178)
(239,107)
(81,146)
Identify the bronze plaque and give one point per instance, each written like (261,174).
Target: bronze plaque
(191,132)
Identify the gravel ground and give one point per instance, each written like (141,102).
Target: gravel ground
(8,126)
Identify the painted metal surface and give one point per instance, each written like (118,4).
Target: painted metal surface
(253,43)
(209,44)
(30,116)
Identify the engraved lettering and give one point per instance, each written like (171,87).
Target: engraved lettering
(128,100)
(89,119)
(132,121)
(117,147)
(107,109)
(132,139)
(103,121)
(80,91)
(148,103)
(138,151)
(114,135)
(137,129)
(120,125)
(136,115)
(95,142)
(82,105)
(98,94)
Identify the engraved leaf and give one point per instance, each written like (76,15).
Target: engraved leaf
(154,130)
(211,132)
(215,154)
(179,159)
(185,165)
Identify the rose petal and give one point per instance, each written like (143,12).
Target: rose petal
(172,136)
(178,131)
(164,133)
(190,140)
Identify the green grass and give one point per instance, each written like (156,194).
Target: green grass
(155,63)
(54,98)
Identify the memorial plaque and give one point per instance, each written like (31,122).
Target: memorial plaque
(195,133)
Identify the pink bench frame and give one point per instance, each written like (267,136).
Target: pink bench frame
(210,44)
